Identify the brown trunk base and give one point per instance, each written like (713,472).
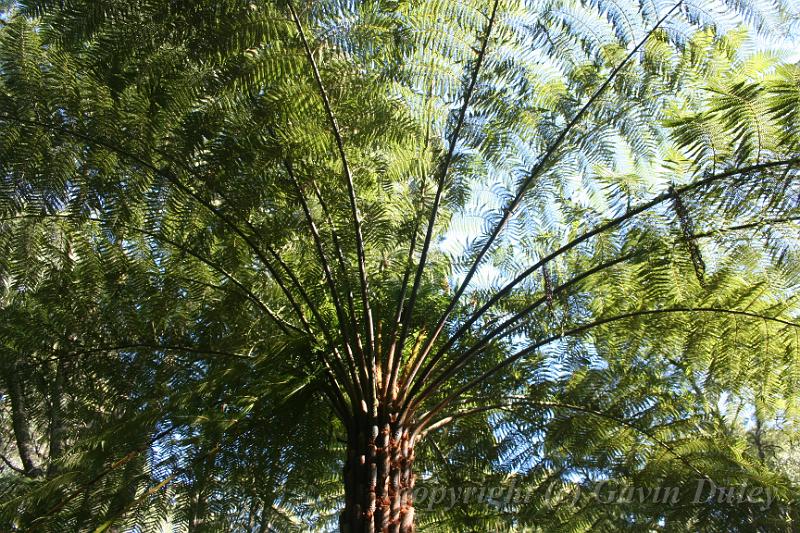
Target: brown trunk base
(378,478)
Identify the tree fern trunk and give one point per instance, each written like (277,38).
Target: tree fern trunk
(378,477)
(20,421)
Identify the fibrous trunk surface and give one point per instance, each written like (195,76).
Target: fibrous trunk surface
(378,476)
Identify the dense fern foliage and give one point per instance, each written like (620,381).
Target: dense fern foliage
(554,243)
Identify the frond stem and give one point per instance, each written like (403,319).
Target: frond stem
(362,262)
(512,206)
(581,329)
(440,185)
(611,224)
(560,405)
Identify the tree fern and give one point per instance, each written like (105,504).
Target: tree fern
(292,266)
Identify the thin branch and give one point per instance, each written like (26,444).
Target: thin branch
(103,473)
(272,270)
(239,430)
(272,252)
(342,265)
(330,372)
(219,214)
(282,324)
(339,257)
(393,357)
(219,288)
(498,330)
(750,225)
(509,209)
(616,222)
(440,185)
(335,387)
(137,345)
(323,360)
(154,489)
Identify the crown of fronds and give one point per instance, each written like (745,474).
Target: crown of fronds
(565,231)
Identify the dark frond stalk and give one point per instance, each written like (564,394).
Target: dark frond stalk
(339,258)
(426,419)
(351,387)
(514,204)
(517,400)
(303,294)
(113,467)
(282,324)
(358,371)
(611,224)
(750,225)
(77,354)
(362,261)
(497,332)
(333,389)
(259,253)
(269,266)
(256,249)
(135,452)
(220,215)
(342,265)
(687,230)
(154,489)
(333,392)
(393,357)
(192,194)
(440,185)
